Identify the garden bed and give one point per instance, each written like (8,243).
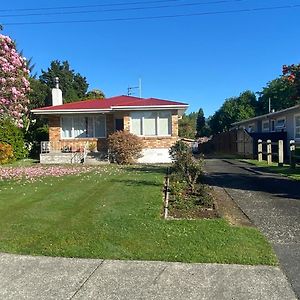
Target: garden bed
(189,197)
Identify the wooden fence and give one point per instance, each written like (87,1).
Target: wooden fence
(244,144)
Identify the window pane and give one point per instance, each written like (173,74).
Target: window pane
(149,123)
(297,135)
(79,127)
(297,121)
(100,126)
(136,123)
(280,122)
(164,123)
(90,126)
(66,125)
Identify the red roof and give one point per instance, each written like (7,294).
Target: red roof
(110,103)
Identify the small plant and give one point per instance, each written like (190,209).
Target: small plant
(6,153)
(92,147)
(124,147)
(185,164)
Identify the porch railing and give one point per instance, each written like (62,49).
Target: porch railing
(63,147)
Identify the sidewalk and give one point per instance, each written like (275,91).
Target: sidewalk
(28,277)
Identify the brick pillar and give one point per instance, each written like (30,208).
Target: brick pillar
(126,119)
(109,124)
(175,123)
(54,128)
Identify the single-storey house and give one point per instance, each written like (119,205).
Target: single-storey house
(286,120)
(89,122)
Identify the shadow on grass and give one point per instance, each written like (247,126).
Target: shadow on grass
(131,182)
(161,169)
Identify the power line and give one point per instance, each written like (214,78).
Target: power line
(88,6)
(158,17)
(121,9)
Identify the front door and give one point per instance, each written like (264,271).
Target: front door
(119,124)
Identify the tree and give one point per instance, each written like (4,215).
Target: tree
(292,75)
(14,83)
(95,94)
(280,92)
(73,85)
(187,125)
(200,123)
(38,93)
(233,110)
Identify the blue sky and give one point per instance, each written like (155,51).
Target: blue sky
(201,60)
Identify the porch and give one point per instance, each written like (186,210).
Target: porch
(74,152)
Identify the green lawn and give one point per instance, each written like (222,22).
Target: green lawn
(115,214)
(285,170)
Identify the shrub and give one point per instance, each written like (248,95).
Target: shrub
(6,153)
(12,135)
(186,164)
(124,147)
(37,132)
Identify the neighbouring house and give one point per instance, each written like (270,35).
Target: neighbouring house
(286,120)
(77,126)
(280,125)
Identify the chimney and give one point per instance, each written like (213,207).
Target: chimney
(57,94)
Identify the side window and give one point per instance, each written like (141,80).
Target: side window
(297,127)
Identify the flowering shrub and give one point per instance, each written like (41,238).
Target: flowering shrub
(6,153)
(14,83)
(125,147)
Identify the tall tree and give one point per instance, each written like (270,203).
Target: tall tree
(281,94)
(200,123)
(187,125)
(73,85)
(39,93)
(95,94)
(233,110)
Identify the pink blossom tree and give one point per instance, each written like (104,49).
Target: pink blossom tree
(14,83)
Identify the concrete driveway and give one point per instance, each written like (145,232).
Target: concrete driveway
(28,277)
(271,201)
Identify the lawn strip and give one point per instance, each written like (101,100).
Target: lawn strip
(116,215)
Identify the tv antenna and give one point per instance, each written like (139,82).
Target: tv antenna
(131,89)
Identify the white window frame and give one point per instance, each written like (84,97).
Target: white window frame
(262,126)
(295,127)
(273,122)
(156,123)
(282,118)
(72,131)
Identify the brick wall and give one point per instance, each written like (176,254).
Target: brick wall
(149,142)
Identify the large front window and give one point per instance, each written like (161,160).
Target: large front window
(151,123)
(297,127)
(83,127)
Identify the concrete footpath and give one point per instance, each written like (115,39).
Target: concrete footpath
(272,203)
(28,277)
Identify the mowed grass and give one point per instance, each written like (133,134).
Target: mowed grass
(115,213)
(285,170)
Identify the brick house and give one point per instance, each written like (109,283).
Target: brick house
(73,126)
